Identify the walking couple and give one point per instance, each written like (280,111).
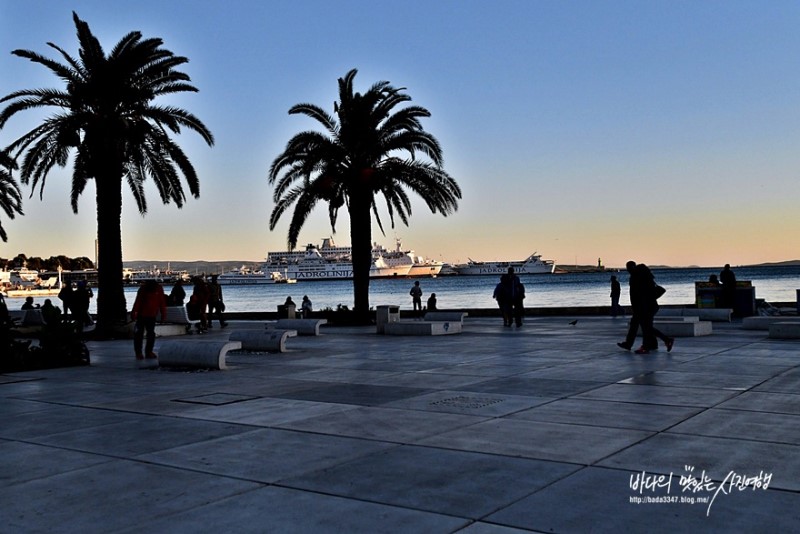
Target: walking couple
(644,301)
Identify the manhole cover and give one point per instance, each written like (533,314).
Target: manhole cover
(466,402)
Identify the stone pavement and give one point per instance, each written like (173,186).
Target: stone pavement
(549,428)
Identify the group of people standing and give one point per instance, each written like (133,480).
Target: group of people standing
(509,294)
(76,301)
(205,303)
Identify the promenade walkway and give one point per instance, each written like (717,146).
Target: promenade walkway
(547,428)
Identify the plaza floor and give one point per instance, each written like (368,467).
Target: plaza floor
(546,428)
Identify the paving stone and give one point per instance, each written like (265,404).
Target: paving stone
(533,439)
(490,432)
(413,477)
(608,414)
(275,509)
(600,500)
(670,453)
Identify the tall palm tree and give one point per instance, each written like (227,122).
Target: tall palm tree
(356,159)
(106,113)
(10,196)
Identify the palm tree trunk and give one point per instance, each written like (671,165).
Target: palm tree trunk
(111,306)
(361,242)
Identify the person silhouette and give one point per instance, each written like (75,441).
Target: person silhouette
(616,291)
(728,280)
(644,303)
(416,297)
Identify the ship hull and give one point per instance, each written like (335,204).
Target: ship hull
(338,271)
(533,265)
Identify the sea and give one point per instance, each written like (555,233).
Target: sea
(778,284)
(773,284)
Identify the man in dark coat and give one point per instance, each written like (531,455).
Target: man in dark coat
(728,281)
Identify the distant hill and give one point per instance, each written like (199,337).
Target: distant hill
(788,263)
(192,267)
(212,267)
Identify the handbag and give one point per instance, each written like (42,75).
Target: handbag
(659,291)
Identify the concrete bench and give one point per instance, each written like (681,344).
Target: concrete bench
(762,322)
(683,328)
(422,328)
(175,323)
(704,314)
(267,341)
(449,316)
(677,319)
(198,354)
(785,330)
(304,327)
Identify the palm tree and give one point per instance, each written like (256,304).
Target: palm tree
(106,113)
(355,160)
(10,196)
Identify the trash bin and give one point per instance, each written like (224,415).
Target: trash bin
(286,311)
(384,315)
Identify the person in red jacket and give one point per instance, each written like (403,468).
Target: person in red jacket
(150,301)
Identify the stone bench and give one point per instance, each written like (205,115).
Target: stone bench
(422,328)
(683,328)
(175,323)
(448,316)
(198,354)
(762,322)
(267,341)
(785,330)
(678,319)
(304,327)
(704,314)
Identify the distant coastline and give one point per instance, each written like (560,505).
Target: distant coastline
(210,267)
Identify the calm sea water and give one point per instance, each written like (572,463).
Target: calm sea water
(773,284)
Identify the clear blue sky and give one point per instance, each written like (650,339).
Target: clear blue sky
(662,131)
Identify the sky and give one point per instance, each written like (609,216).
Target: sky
(663,131)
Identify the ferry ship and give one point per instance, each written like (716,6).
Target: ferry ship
(402,262)
(140,276)
(314,266)
(25,282)
(419,265)
(533,264)
(246,276)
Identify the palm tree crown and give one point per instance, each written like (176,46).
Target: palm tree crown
(10,196)
(358,158)
(107,115)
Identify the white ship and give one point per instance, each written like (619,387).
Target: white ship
(27,283)
(140,276)
(397,259)
(314,266)
(533,264)
(419,266)
(246,276)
